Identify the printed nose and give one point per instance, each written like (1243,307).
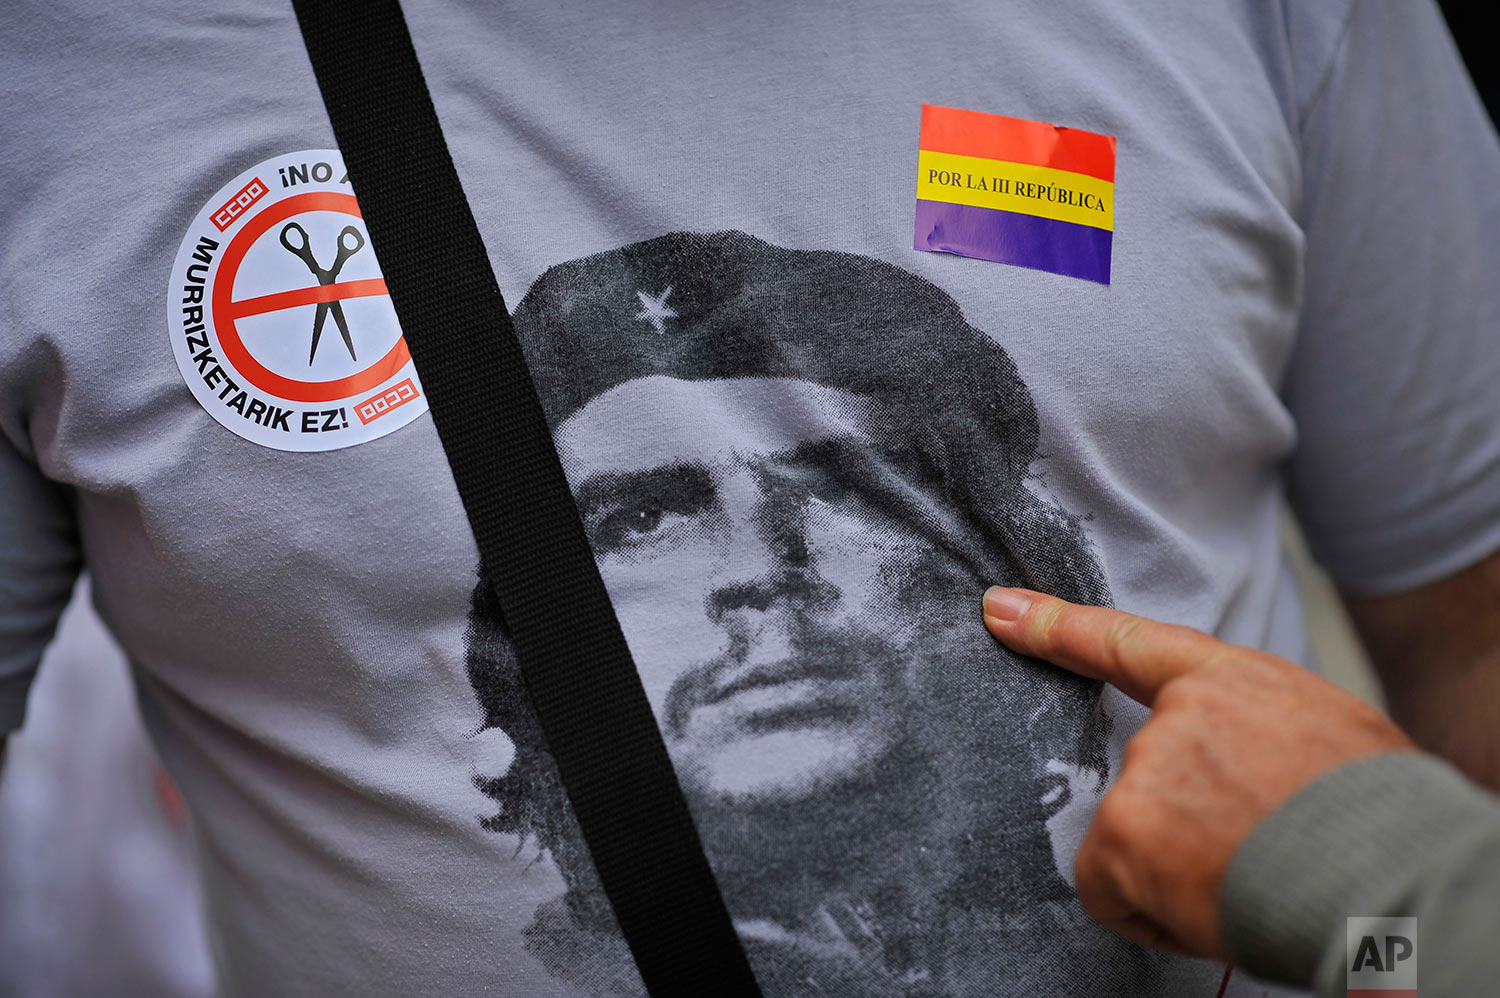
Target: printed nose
(790,588)
(768,566)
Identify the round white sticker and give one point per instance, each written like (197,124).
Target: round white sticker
(280,319)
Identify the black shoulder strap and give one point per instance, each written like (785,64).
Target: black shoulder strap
(588,697)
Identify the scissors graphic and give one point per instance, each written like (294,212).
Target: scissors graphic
(345,251)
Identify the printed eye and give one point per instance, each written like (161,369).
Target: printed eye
(642,524)
(628,526)
(827,485)
(808,479)
(639,512)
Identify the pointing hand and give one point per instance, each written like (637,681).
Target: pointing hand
(1234,734)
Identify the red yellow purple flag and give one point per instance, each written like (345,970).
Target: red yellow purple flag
(1015,191)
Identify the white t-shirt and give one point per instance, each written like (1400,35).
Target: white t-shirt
(801,447)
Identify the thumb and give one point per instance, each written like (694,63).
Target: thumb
(1139,656)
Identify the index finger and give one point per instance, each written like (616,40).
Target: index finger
(1137,655)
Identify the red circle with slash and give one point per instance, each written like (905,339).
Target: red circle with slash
(226,310)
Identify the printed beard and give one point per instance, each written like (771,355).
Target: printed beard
(951,814)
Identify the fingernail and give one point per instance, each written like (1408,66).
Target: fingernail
(1004,604)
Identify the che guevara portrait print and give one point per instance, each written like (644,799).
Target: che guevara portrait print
(797,471)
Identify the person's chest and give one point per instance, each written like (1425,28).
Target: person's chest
(576,134)
(310,557)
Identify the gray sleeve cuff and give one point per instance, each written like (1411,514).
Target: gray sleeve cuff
(1350,844)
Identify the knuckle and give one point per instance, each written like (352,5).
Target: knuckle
(1137,750)
(1148,743)
(1124,835)
(1170,733)
(1114,821)
(1046,621)
(1184,693)
(1229,664)
(1094,865)
(1220,677)
(1091,869)
(1120,638)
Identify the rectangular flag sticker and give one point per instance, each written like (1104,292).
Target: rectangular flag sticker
(1015,191)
